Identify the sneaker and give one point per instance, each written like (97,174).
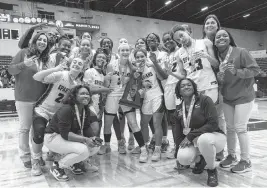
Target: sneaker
(75,169)
(58,173)
(144,155)
(228,161)
(220,156)
(42,162)
(171,154)
(136,150)
(156,155)
(212,177)
(121,147)
(178,166)
(164,146)
(241,167)
(104,149)
(131,144)
(199,167)
(28,164)
(36,168)
(81,165)
(152,144)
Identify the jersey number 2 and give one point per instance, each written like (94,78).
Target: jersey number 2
(174,65)
(60,97)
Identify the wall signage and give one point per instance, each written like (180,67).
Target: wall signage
(5,17)
(65,24)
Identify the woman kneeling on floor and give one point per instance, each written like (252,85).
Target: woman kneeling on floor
(69,133)
(198,136)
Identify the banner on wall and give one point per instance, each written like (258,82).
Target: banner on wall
(5,17)
(258,53)
(59,23)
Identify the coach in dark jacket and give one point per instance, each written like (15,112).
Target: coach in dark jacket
(198,137)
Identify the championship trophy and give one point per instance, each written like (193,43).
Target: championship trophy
(131,96)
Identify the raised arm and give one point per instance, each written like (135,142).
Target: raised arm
(161,74)
(49,76)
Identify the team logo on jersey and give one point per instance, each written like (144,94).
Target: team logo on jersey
(213,83)
(147,75)
(63,88)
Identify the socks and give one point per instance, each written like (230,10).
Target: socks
(107,138)
(164,139)
(139,138)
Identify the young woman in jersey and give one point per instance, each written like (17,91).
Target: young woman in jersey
(64,46)
(120,74)
(95,78)
(85,35)
(69,133)
(175,72)
(210,27)
(237,71)
(60,84)
(152,107)
(197,58)
(24,65)
(153,42)
(197,128)
(107,45)
(85,53)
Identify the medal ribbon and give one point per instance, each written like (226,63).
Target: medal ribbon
(226,58)
(81,124)
(188,118)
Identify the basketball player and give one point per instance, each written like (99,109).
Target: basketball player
(60,84)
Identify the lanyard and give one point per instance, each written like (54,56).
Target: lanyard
(188,118)
(81,124)
(226,58)
(190,55)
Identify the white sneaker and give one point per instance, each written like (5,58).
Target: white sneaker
(171,154)
(121,147)
(144,155)
(136,150)
(36,168)
(156,155)
(104,149)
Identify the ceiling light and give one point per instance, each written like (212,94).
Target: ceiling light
(246,15)
(204,8)
(168,2)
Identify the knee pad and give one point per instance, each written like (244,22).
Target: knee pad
(186,155)
(39,125)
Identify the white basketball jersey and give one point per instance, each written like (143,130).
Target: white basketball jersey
(200,71)
(52,99)
(149,77)
(116,83)
(173,63)
(93,77)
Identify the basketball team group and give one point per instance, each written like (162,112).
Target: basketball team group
(67,92)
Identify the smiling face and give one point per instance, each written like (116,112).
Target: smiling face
(182,37)
(85,46)
(140,44)
(168,42)
(65,46)
(152,42)
(186,88)
(83,96)
(76,65)
(101,59)
(222,39)
(124,51)
(41,43)
(211,26)
(86,35)
(140,58)
(106,44)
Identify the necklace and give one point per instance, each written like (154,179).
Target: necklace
(81,124)
(190,50)
(225,61)
(187,119)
